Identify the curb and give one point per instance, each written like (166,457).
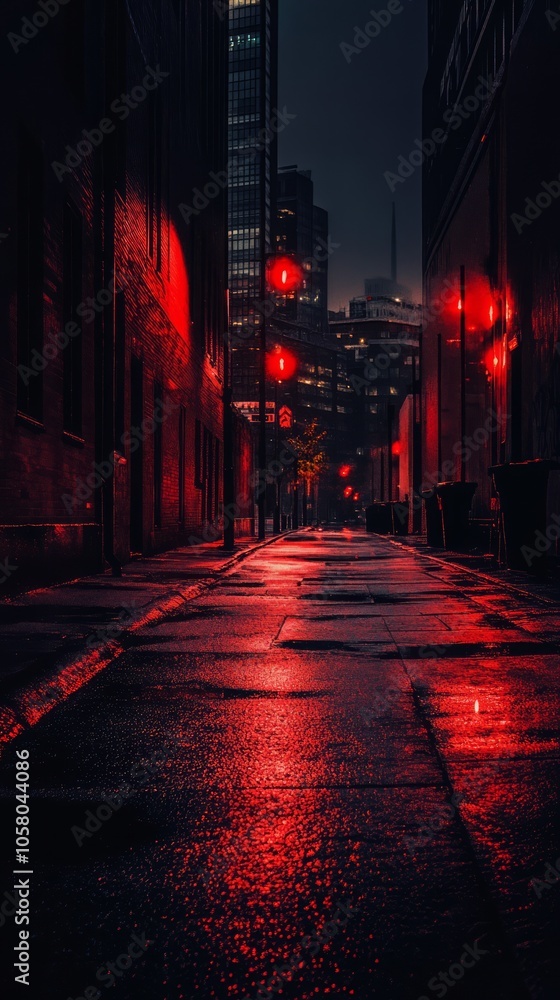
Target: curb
(28,704)
(479,574)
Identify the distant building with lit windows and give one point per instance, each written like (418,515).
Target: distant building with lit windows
(385,307)
(381,345)
(302,229)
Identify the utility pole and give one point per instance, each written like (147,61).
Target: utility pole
(261,498)
(229,459)
(390,417)
(463,374)
(276,524)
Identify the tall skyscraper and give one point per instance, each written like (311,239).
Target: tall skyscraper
(252,141)
(302,229)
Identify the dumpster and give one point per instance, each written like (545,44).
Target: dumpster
(434,523)
(379,519)
(400,514)
(455,500)
(522,489)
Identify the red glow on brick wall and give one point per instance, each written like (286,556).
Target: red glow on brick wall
(177,294)
(481,307)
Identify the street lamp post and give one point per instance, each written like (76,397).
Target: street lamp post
(463,336)
(284,275)
(276,518)
(280,366)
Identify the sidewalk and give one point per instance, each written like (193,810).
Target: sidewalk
(57,638)
(546,589)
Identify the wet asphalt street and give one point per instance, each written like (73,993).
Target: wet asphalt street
(335,774)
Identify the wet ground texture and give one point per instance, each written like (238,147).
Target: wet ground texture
(335,774)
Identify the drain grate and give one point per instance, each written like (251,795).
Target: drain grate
(349,597)
(324,645)
(480,650)
(205,689)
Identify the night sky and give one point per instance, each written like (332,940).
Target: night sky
(353,121)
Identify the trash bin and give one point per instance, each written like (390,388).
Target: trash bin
(400,514)
(378,518)
(522,489)
(434,523)
(455,500)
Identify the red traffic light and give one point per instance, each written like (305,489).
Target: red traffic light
(348,492)
(284,274)
(344,471)
(281,364)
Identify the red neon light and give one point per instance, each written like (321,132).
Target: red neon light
(281,364)
(284,274)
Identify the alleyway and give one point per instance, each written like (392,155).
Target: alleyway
(341,722)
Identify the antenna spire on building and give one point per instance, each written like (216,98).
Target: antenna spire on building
(394,246)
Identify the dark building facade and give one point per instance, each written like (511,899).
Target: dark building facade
(491,361)
(302,229)
(317,392)
(113,292)
(253,126)
(381,360)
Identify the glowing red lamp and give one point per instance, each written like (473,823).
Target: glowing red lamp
(284,274)
(344,471)
(281,364)
(348,492)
